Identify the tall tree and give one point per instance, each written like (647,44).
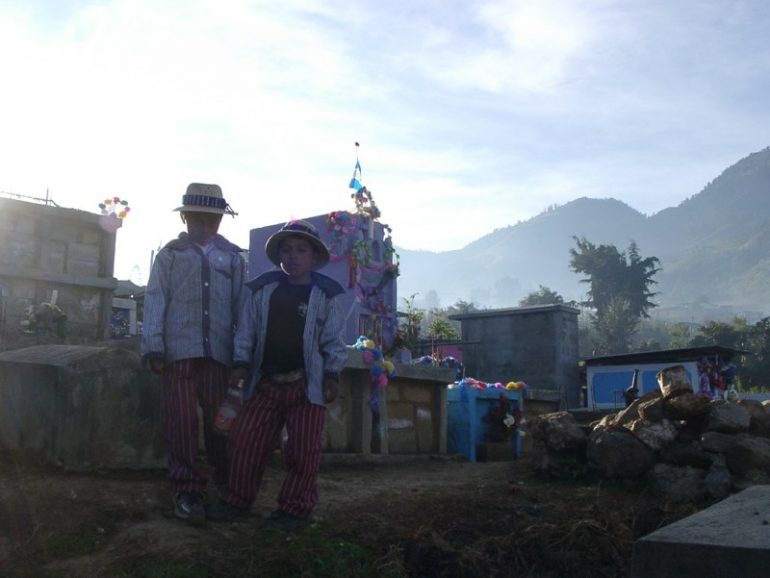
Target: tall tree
(619,289)
(613,274)
(616,327)
(639,277)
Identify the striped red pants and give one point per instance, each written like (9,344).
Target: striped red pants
(186,384)
(253,438)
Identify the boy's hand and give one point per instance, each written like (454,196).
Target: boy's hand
(157,365)
(330,390)
(237,374)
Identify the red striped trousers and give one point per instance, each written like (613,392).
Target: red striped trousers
(186,384)
(253,438)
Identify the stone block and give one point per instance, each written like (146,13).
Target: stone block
(402,441)
(392,392)
(730,538)
(337,420)
(416,392)
(83,259)
(80,408)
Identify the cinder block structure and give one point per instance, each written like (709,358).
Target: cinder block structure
(538,345)
(51,253)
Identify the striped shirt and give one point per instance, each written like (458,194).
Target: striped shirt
(192,301)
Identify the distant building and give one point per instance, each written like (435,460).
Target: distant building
(607,377)
(537,345)
(59,261)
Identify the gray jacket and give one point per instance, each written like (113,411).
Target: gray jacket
(192,301)
(325,352)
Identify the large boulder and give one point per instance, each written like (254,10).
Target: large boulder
(749,453)
(617,453)
(727,418)
(718,442)
(653,409)
(558,431)
(687,406)
(678,483)
(718,481)
(682,453)
(655,435)
(760,417)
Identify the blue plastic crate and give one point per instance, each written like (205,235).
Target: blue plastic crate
(466,409)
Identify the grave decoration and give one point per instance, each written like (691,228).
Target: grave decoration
(503,418)
(351,239)
(485,416)
(381,369)
(476,384)
(115,207)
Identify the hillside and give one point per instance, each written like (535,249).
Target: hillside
(714,248)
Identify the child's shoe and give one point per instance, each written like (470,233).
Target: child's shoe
(280,520)
(188,506)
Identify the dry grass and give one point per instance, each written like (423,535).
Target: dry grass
(418,518)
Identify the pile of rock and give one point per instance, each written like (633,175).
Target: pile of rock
(687,446)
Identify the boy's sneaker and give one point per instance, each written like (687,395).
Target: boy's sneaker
(189,506)
(222,511)
(280,520)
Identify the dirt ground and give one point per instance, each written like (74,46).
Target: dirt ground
(408,517)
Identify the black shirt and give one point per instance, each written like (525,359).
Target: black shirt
(285,327)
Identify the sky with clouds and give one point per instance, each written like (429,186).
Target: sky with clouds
(471,115)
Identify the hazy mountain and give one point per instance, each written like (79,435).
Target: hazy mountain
(714,247)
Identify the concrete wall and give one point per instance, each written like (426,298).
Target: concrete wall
(45,248)
(83,408)
(538,345)
(80,407)
(412,416)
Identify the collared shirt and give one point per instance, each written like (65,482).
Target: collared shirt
(192,301)
(324,349)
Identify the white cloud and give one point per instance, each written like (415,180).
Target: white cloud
(471,115)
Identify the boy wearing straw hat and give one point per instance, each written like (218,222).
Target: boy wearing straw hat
(191,307)
(289,341)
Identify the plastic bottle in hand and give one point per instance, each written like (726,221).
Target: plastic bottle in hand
(229,409)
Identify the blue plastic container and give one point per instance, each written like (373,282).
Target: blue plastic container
(467,408)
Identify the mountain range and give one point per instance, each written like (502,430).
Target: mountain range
(714,250)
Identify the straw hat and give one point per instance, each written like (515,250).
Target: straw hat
(201,198)
(302,229)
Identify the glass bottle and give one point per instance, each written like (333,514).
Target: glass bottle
(228,411)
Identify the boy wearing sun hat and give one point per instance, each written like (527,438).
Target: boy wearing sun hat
(289,343)
(191,306)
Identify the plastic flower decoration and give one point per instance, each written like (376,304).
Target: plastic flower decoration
(382,369)
(115,207)
(514,385)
